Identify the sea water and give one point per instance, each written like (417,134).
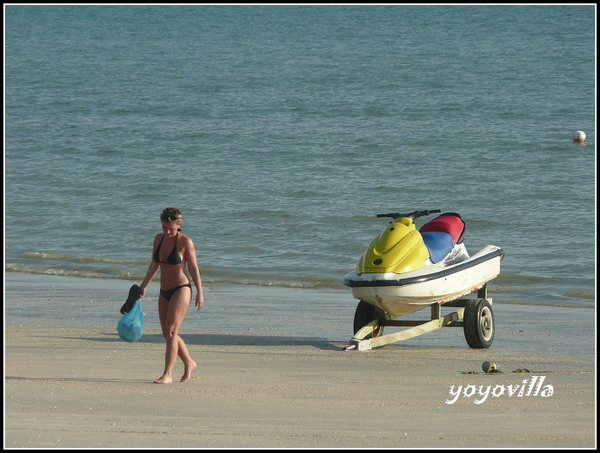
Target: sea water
(281,131)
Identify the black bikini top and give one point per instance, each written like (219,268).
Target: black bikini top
(173,257)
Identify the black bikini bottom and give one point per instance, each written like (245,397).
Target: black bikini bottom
(167,294)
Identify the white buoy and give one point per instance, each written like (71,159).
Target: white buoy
(579,136)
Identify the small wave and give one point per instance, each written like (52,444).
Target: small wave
(506,277)
(581,295)
(80,259)
(544,303)
(221,275)
(125,275)
(208,276)
(282,284)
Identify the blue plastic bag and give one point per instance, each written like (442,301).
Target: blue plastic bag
(131,325)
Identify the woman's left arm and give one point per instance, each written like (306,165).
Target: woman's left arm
(190,252)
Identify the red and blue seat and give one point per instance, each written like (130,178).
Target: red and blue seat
(441,234)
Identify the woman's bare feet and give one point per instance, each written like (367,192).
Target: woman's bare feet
(187,374)
(164,379)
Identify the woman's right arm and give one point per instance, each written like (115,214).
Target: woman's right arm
(152,270)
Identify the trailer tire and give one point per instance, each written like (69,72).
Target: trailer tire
(479,325)
(365,313)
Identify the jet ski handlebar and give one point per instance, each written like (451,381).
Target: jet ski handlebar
(412,215)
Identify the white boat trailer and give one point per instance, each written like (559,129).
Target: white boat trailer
(475,316)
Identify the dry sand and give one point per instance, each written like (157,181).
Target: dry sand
(78,387)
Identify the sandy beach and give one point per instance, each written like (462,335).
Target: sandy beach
(70,385)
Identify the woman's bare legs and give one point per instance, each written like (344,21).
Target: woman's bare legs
(171,314)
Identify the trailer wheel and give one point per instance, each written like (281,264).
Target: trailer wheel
(479,324)
(365,313)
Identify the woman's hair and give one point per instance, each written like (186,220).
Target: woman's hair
(171,215)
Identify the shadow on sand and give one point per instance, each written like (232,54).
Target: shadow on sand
(219,339)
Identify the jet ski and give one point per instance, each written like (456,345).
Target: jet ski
(405,269)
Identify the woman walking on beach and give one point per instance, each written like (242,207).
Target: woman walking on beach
(171,251)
